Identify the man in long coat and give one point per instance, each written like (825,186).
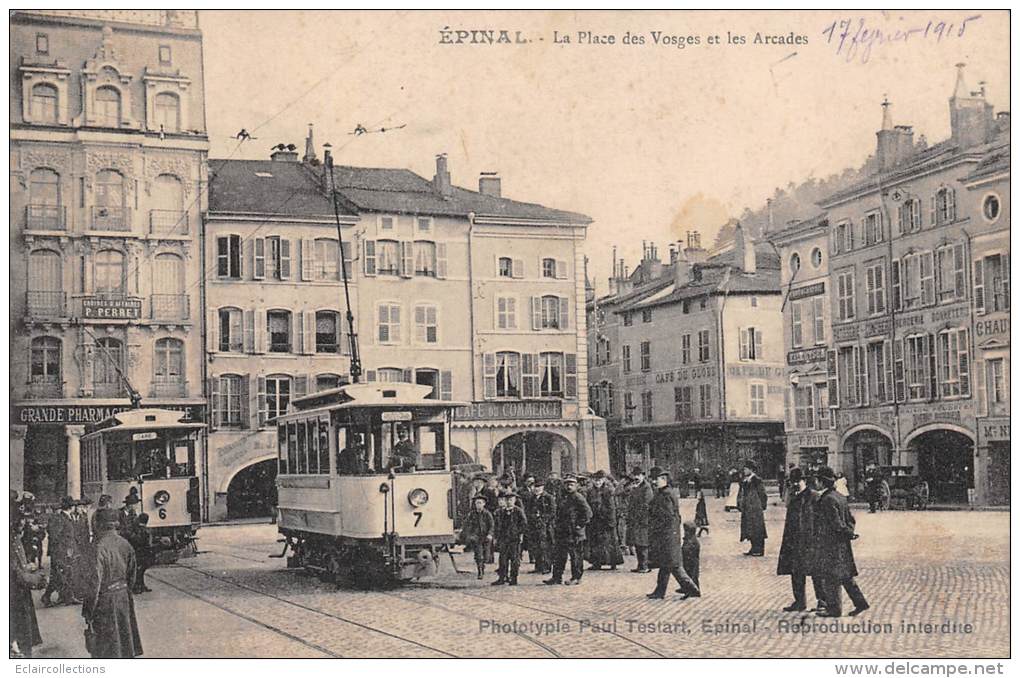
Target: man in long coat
(796,554)
(664,537)
(834,530)
(540,510)
(572,516)
(751,502)
(721,482)
(24,627)
(62,551)
(603,541)
(108,607)
(637,518)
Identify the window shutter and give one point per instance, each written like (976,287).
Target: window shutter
(759,353)
(529,378)
(446,385)
(951,204)
(561,269)
(406,258)
(744,351)
(861,362)
(927,278)
(369,375)
(498,303)
(420,331)
(407,375)
(869,276)
(570,384)
(261,331)
(901,214)
(833,379)
(369,256)
(308,340)
(933,377)
(212,331)
(887,358)
(244,402)
(536,313)
(489,375)
(249,331)
(258,259)
(896,304)
(214,398)
(959,272)
(933,213)
(441,260)
(1004,258)
(564,309)
(518,268)
(261,406)
(898,369)
(963,347)
(300,385)
(979,286)
(284,271)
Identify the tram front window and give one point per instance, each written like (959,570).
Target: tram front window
(401,447)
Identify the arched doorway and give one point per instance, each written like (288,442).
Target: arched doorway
(535,452)
(945,459)
(864,447)
(252,491)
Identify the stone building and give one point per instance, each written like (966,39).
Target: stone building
(108,151)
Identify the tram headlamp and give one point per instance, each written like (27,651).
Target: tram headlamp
(417,497)
(161,498)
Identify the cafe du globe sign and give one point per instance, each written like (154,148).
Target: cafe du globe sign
(123,308)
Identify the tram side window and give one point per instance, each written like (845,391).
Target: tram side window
(292,451)
(352,452)
(324,446)
(431,445)
(281,433)
(302,448)
(118,461)
(183,460)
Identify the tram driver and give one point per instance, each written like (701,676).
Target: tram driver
(352,460)
(404,457)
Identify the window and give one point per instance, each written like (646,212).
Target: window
(44,209)
(626,358)
(327,382)
(506,267)
(949,264)
(327,332)
(997,393)
(506,313)
(682,401)
(816,257)
(231,339)
(646,315)
(818,315)
(794,262)
(390,375)
(610,402)
(844,237)
(169,367)
(917,350)
(386,223)
(751,344)
(508,375)
(548,268)
(109,273)
(387,257)
(109,196)
(278,324)
(943,207)
(991,284)
(164,54)
(917,273)
(646,356)
(954,363)
(230,398)
(910,215)
(803,407)
(43,105)
(874,232)
(426,329)
(879,372)
(550,367)
(646,406)
(42,43)
(551,313)
(757,399)
(107,364)
(703,354)
(628,407)
(278,388)
(685,306)
(389,323)
(107,107)
(822,417)
(990,207)
(705,400)
(423,224)
(425,258)
(228,256)
(628,319)
(850,371)
(685,349)
(845,295)
(875,279)
(796,325)
(327,259)
(167,113)
(45,283)
(45,359)
(279,257)
(431,378)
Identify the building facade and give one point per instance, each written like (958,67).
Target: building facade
(910,249)
(108,153)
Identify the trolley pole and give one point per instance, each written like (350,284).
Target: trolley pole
(351,334)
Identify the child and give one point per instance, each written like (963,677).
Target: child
(691,552)
(510,526)
(701,514)
(477,532)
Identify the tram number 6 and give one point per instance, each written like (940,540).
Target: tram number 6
(162,514)
(417,517)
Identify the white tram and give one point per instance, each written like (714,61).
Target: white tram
(153,451)
(366,493)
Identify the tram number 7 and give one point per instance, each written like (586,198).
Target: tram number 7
(417,517)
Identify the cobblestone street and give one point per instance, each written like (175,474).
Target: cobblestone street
(916,568)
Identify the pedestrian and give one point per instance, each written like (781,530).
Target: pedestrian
(108,607)
(873,487)
(721,482)
(491,494)
(683,482)
(62,554)
(510,527)
(477,533)
(541,513)
(841,485)
(128,513)
(603,541)
(834,530)
(691,554)
(734,490)
(105,501)
(664,539)
(572,516)
(701,514)
(23,629)
(145,556)
(797,551)
(620,492)
(696,480)
(638,499)
(781,477)
(751,502)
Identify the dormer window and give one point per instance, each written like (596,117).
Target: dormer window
(42,44)
(108,107)
(44,104)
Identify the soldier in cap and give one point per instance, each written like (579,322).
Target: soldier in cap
(108,608)
(510,527)
(477,532)
(572,516)
(540,510)
(62,552)
(603,541)
(664,537)
(834,555)
(752,502)
(637,518)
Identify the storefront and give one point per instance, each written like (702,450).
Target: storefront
(991,462)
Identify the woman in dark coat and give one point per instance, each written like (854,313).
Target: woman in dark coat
(24,627)
(751,502)
(108,607)
(664,539)
(638,499)
(603,541)
(797,552)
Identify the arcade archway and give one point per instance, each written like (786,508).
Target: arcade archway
(945,459)
(866,446)
(535,452)
(252,491)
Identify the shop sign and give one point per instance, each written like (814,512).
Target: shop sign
(866,415)
(813,439)
(845,332)
(523,410)
(90,414)
(806,355)
(764,371)
(952,413)
(686,374)
(116,308)
(876,327)
(995,326)
(995,430)
(807,291)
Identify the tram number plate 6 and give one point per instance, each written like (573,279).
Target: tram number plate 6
(417,517)
(162,513)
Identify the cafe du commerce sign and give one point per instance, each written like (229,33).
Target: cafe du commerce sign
(89,414)
(513,411)
(116,308)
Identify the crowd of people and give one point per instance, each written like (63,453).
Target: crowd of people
(97,559)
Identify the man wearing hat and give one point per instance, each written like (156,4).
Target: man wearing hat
(128,513)
(572,516)
(540,510)
(751,502)
(62,553)
(603,541)
(108,608)
(664,537)
(637,518)
(834,530)
(477,532)
(796,554)
(511,524)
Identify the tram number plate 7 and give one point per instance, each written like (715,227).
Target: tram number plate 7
(417,517)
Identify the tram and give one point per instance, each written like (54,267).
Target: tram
(366,492)
(152,451)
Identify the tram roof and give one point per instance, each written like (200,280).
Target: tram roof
(371,394)
(145,419)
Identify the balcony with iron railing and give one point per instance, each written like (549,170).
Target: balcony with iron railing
(45,218)
(168,387)
(110,219)
(45,304)
(170,307)
(168,222)
(45,388)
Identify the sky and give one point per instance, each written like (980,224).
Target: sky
(651,140)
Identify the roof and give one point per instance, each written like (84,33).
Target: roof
(995,162)
(267,187)
(145,419)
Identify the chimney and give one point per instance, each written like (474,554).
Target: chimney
(885,154)
(284,153)
(768,207)
(623,281)
(490,184)
(653,267)
(309,156)
(441,182)
(743,250)
(970,116)
(694,253)
(681,269)
(904,142)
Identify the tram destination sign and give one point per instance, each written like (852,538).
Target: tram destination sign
(515,411)
(124,308)
(90,414)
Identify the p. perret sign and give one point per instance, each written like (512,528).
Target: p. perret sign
(126,308)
